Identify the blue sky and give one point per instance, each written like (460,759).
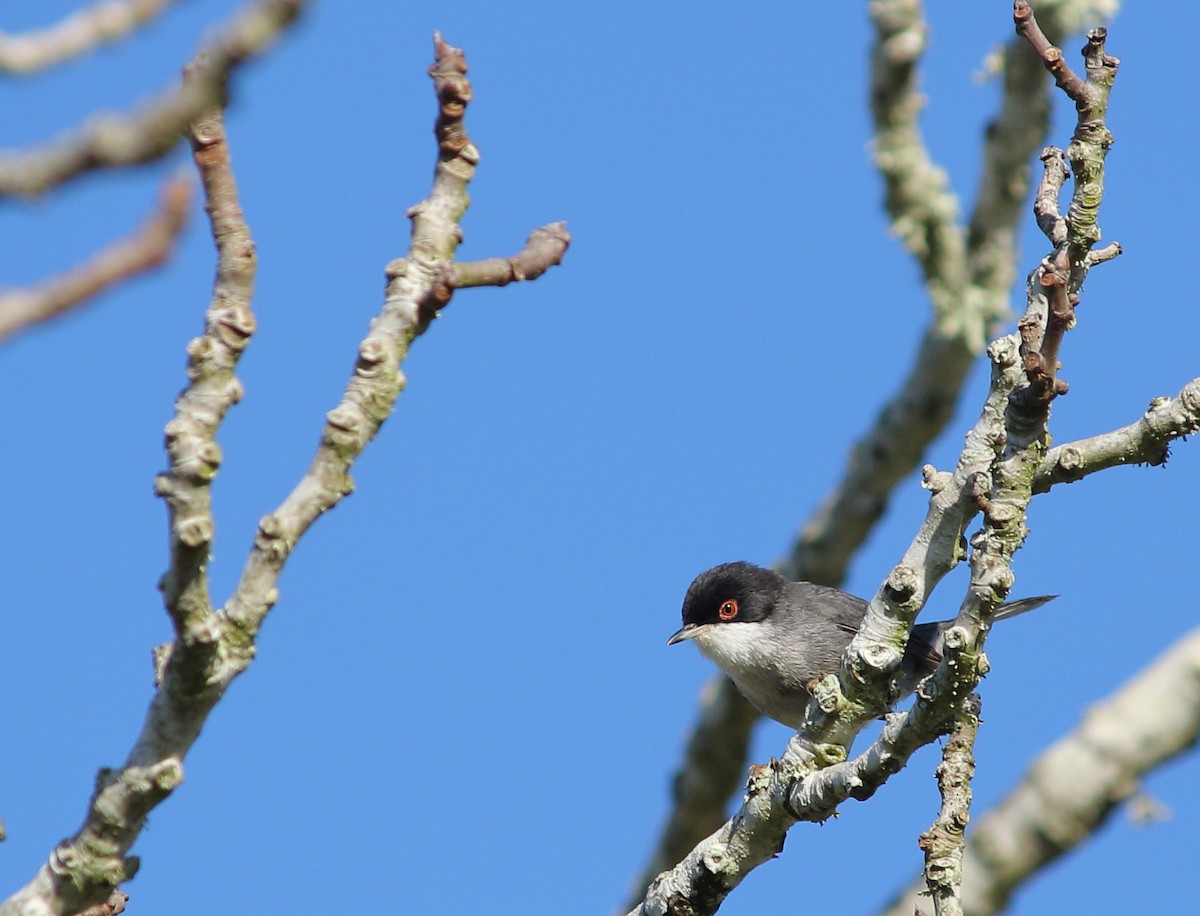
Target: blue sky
(463,702)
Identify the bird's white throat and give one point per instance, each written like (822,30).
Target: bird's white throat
(735,646)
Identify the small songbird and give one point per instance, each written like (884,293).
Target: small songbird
(773,637)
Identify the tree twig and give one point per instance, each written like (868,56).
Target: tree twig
(149,247)
(543,248)
(1145,441)
(74,36)
(190,436)
(122,140)
(111,907)
(943,841)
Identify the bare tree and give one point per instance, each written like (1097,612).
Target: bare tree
(213,643)
(1006,461)
(968,269)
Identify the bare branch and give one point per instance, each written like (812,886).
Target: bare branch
(1143,442)
(922,208)
(146,249)
(84,870)
(1051,311)
(76,35)
(970,298)
(1107,253)
(943,842)
(1042,333)
(123,140)
(1045,203)
(190,436)
(1052,57)
(1077,783)
(213,647)
(111,907)
(543,249)
(416,291)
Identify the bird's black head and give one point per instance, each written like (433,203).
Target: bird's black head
(729,593)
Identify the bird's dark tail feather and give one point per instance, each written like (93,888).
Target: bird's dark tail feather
(1020,607)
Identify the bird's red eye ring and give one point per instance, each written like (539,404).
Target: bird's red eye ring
(728,609)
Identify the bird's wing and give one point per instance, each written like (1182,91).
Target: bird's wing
(844,610)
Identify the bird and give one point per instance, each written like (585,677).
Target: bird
(774,637)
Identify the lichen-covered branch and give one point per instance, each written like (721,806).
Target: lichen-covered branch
(1076,784)
(942,843)
(149,247)
(970,274)
(924,211)
(817,796)
(1018,130)
(813,777)
(995,474)
(971,297)
(82,31)
(212,647)
(1053,287)
(121,140)
(1146,441)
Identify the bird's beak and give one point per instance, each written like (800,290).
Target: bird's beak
(687,631)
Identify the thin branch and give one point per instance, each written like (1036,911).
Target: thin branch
(922,208)
(543,249)
(1042,332)
(111,907)
(416,291)
(1061,274)
(1077,783)
(122,140)
(1107,253)
(146,249)
(943,841)
(86,869)
(213,647)
(76,35)
(1045,204)
(1052,57)
(1146,441)
(190,436)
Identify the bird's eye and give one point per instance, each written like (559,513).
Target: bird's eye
(728,609)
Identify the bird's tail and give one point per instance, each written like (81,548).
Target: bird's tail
(1013,608)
